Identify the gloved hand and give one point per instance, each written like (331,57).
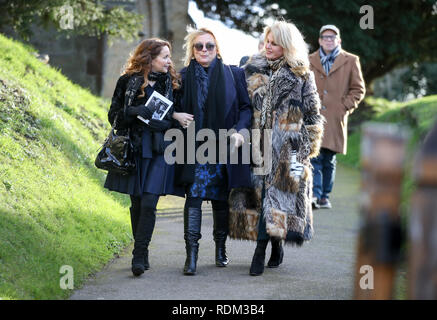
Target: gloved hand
(159,125)
(140,110)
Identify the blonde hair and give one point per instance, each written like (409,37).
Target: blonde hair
(193,33)
(291,40)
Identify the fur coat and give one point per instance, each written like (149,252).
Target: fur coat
(296,124)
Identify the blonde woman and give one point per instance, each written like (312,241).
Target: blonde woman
(214,95)
(284,99)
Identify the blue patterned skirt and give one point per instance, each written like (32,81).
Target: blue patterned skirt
(210,182)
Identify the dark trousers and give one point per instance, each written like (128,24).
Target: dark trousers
(197,203)
(323,173)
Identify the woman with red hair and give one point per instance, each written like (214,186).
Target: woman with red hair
(148,69)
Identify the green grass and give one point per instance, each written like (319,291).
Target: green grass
(53,208)
(417,116)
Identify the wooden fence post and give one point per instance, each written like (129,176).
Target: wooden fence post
(422,231)
(383,150)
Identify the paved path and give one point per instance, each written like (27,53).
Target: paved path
(321,269)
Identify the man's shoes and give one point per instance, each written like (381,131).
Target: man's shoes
(315,203)
(324,203)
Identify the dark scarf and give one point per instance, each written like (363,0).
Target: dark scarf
(205,98)
(163,83)
(204,95)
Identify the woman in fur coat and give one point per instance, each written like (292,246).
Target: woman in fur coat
(286,111)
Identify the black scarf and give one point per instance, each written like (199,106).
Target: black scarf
(211,114)
(163,83)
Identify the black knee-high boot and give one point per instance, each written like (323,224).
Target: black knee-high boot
(277,253)
(135,211)
(134,217)
(220,233)
(192,235)
(143,235)
(258,260)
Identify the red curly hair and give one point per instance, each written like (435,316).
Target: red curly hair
(140,61)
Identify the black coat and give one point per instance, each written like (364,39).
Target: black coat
(238,115)
(124,121)
(152,175)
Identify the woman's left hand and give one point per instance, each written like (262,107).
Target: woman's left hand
(183,118)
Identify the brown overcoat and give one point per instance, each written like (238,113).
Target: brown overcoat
(340,93)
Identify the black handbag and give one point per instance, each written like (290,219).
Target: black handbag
(116,154)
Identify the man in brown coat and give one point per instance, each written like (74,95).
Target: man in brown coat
(341,87)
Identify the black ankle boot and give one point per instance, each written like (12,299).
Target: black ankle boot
(138,265)
(192,224)
(221,260)
(258,260)
(191,260)
(277,253)
(220,233)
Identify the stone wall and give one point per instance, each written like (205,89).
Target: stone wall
(77,57)
(93,63)
(165,19)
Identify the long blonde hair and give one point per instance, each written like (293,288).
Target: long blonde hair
(189,42)
(291,40)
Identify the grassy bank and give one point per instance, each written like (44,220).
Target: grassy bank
(53,209)
(417,115)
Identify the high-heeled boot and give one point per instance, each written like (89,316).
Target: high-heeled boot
(258,260)
(192,235)
(277,253)
(220,233)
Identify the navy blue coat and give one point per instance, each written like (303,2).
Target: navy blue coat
(238,115)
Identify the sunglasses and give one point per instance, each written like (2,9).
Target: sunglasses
(209,46)
(332,38)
